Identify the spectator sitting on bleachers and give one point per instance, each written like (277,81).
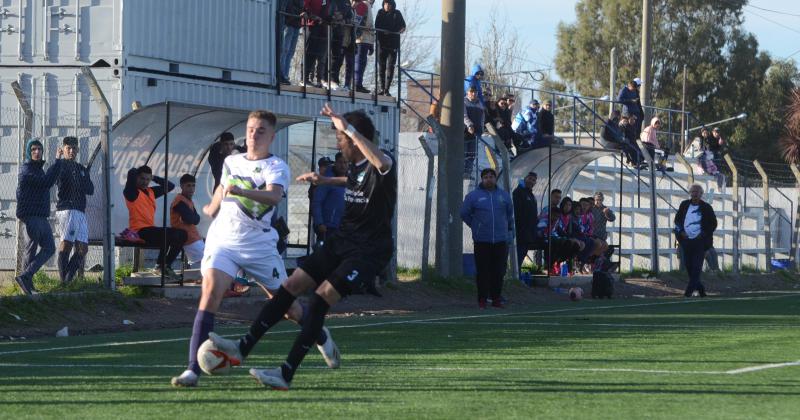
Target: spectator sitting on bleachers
(140,198)
(184,216)
(632,154)
(547,124)
(526,125)
(649,138)
(474,81)
(612,136)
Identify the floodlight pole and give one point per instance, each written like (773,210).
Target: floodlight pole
(108,168)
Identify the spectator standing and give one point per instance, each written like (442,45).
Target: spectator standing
(33,208)
(547,124)
(631,104)
(602,215)
(184,216)
(488,211)
(140,198)
(473,126)
(219,151)
(365,38)
(74,184)
(317,42)
(474,80)
(526,213)
(341,41)
(327,204)
(390,24)
(695,224)
(292,22)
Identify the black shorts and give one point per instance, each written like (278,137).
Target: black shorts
(347,265)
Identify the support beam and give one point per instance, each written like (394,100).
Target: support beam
(689,170)
(429,185)
(653,213)
(737,258)
(108,169)
(767,233)
(449,232)
(612,83)
(646,53)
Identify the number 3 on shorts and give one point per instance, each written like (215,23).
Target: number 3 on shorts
(352,276)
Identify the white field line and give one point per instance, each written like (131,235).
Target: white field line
(411,321)
(616,325)
(762,367)
(373,367)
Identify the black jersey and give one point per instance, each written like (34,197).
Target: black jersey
(369,201)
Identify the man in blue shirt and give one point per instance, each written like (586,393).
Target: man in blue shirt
(327,203)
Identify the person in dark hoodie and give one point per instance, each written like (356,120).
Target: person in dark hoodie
(474,80)
(390,24)
(526,213)
(327,204)
(695,224)
(74,184)
(33,208)
(489,213)
(140,198)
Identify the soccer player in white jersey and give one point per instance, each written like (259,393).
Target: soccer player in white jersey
(241,236)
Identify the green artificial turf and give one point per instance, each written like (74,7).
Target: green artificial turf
(654,358)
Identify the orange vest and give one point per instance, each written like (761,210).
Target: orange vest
(192,235)
(142,211)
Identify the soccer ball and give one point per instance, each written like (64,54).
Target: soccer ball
(212,360)
(575,293)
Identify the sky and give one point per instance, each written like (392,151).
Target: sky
(537,20)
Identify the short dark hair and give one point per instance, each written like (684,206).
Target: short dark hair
(564,202)
(226,136)
(472,89)
(555,190)
(264,115)
(531,173)
(70,141)
(338,155)
(488,171)
(144,169)
(187,178)
(362,123)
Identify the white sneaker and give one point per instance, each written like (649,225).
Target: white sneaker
(329,350)
(272,378)
(325,85)
(334,86)
(229,347)
(187,379)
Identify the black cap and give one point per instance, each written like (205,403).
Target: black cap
(324,161)
(531,173)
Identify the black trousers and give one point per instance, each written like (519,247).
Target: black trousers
(316,52)
(387,59)
(693,254)
(154,236)
(490,267)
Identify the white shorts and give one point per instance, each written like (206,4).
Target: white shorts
(260,261)
(194,251)
(72,226)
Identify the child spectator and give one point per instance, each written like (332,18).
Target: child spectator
(183,216)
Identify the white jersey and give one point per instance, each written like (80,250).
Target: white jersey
(241,217)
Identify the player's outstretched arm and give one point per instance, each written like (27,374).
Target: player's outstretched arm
(369,149)
(316,179)
(212,208)
(270,196)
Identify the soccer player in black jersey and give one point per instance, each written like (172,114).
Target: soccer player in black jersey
(355,253)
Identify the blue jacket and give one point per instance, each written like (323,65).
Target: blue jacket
(526,124)
(490,215)
(630,101)
(472,81)
(327,205)
(74,185)
(33,189)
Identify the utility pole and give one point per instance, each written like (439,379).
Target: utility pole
(612,83)
(450,188)
(684,123)
(646,61)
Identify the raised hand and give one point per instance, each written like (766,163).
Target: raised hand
(337,120)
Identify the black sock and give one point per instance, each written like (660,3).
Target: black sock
(322,338)
(75,264)
(63,262)
(311,328)
(271,313)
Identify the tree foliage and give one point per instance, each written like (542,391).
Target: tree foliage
(726,72)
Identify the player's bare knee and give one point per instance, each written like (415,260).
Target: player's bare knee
(328,292)
(298,282)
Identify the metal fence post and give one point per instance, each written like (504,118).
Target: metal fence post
(736,211)
(767,233)
(653,212)
(24,135)
(426,225)
(108,169)
(796,240)
(689,171)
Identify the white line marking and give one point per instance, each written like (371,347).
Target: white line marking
(762,367)
(411,321)
(383,366)
(617,325)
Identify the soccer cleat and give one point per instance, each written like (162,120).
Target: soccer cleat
(272,378)
(330,352)
(186,379)
(229,347)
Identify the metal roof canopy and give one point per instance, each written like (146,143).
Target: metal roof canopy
(561,163)
(140,138)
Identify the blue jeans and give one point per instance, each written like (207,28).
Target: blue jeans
(40,235)
(362,51)
(290,35)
